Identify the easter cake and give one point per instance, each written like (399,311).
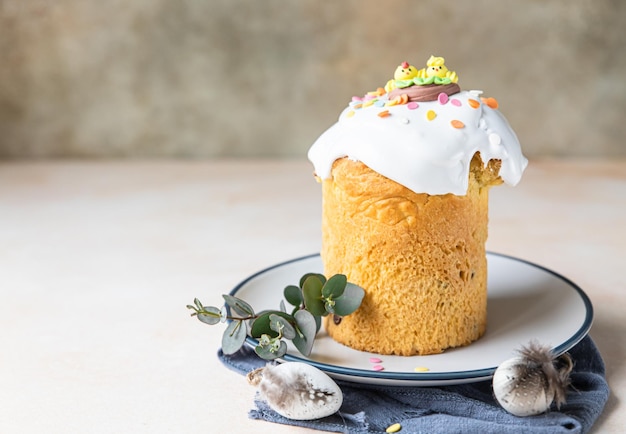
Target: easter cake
(405,175)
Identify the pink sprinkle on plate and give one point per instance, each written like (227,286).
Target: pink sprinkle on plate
(412,105)
(375,360)
(378,368)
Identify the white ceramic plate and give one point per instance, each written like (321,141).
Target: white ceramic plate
(525,302)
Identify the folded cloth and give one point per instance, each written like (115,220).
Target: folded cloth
(465,408)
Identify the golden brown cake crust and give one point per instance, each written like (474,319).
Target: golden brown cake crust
(420,258)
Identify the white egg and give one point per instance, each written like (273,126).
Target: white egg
(299,391)
(521,388)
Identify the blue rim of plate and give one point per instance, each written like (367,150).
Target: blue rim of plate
(477,374)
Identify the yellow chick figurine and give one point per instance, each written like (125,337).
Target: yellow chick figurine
(404,72)
(436,68)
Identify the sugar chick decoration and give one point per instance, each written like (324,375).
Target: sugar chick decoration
(402,77)
(436,72)
(427,84)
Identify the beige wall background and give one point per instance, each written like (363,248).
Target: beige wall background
(235,78)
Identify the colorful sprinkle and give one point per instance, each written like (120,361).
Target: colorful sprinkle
(455,102)
(393,102)
(430,115)
(421,369)
(357,106)
(379,103)
(357,98)
(491,102)
(350,114)
(384,114)
(378,368)
(442,98)
(412,105)
(393,428)
(378,92)
(473,103)
(457,124)
(369,102)
(404,98)
(375,360)
(494,139)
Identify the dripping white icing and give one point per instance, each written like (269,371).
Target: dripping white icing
(426,156)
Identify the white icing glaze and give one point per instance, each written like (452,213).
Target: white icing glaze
(426,156)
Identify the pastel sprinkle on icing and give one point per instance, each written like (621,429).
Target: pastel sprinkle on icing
(491,102)
(369,103)
(412,105)
(457,124)
(421,369)
(403,120)
(455,102)
(378,92)
(393,428)
(350,114)
(357,106)
(384,114)
(442,98)
(430,115)
(379,103)
(393,102)
(357,98)
(375,360)
(378,368)
(495,139)
(473,103)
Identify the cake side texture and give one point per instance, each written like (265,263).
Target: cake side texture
(420,258)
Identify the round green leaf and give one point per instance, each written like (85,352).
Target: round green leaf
(306,330)
(320,277)
(261,325)
(312,291)
(234,336)
(267,354)
(335,286)
(211,316)
(293,295)
(278,323)
(350,300)
(238,306)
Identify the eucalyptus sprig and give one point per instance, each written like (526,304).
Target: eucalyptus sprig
(314,298)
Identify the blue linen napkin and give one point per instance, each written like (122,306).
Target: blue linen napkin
(466,408)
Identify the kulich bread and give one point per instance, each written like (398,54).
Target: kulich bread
(425,272)
(405,175)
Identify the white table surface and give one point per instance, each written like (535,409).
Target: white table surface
(99,259)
